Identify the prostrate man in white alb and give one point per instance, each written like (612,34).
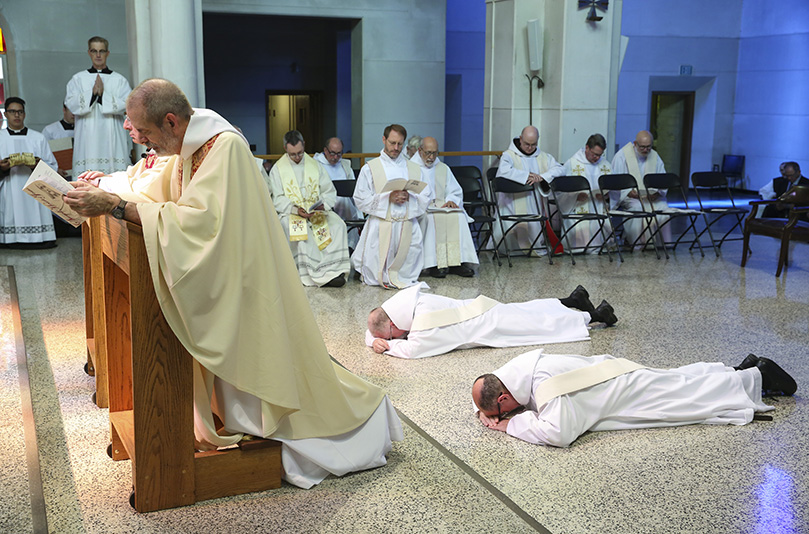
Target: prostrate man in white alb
(339,169)
(448,245)
(590,163)
(24,222)
(389,252)
(523,162)
(638,158)
(228,287)
(304,196)
(564,396)
(97,99)
(414,324)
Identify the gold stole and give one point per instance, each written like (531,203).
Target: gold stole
(298,230)
(386,225)
(578,379)
(521,204)
(447,227)
(633,166)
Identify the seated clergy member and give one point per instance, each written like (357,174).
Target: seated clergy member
(230,291)
(638,158)
(24,222)
(304,197)
(448,245)
(389,252)
(340,169)
(790,177)
(562,397)
(414,324)
(523,162)
(590,163)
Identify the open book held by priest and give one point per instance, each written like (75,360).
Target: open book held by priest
(47,187)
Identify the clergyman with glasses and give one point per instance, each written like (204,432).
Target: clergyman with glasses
(340,169)
(97,99)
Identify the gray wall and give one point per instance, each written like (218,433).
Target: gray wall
(398,66)
(47,44)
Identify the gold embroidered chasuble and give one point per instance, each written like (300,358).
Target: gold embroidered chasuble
(305,199)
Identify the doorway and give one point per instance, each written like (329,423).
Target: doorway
(300,111)
(672,122)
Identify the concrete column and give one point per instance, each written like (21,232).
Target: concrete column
(165,39)
(579,67)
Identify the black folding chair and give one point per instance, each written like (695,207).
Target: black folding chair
(477,205)
(345,189)
(575,185)
(715,185)
(499,184)
(671,182)
(617,183)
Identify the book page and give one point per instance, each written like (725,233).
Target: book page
(47,187)
(402,184)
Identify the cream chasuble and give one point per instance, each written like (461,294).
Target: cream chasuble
(230,291)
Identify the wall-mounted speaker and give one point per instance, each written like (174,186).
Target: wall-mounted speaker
(534,45)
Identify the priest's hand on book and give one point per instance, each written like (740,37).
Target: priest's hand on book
(90,201)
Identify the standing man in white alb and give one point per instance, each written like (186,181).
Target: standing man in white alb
(523,162)
(638,158)
(24,222)
(448,245)
(340,169)
(303,196)
(590,163)
(97,99)
(390,252)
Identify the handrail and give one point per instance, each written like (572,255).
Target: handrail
(364,155)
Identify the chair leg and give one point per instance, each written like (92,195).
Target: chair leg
(745,245)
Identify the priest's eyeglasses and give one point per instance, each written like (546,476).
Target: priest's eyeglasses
(94,51)
(330,153)
(431,153)
(15,112)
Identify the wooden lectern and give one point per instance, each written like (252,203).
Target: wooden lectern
(149,383)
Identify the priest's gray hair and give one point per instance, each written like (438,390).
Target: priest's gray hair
(489,392)
(293,137)
(415,142)
(158,97)
(378,319)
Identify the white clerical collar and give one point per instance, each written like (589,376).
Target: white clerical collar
(204,124)
(401,159)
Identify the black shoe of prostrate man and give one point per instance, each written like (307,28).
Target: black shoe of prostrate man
(579,299)
(604,314)
(775,382)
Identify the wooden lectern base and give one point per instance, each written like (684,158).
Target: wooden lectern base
(146,375)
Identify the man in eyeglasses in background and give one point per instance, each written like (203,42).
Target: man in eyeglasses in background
(638,158)
(340,169)
(790,177)
(97,99)
(24,222)
(448,245)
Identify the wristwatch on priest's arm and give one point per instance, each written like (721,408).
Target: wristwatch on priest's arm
(118,211)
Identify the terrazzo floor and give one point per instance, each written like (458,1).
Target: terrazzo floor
(450,474)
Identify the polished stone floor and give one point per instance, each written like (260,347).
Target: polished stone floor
(450,474)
